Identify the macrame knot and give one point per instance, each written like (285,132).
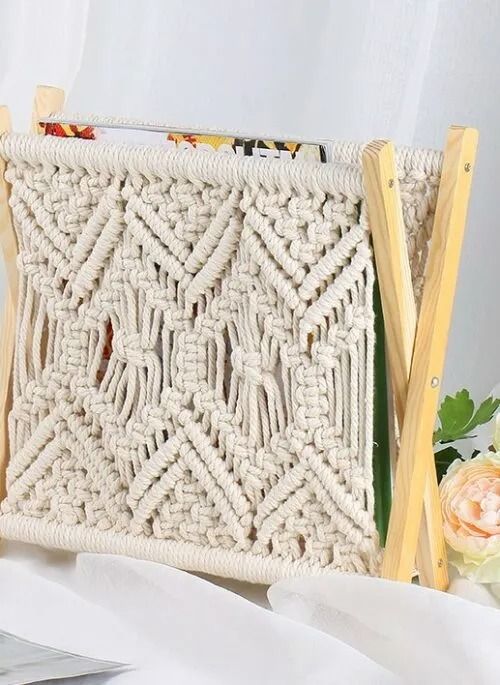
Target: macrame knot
(27,263)
(160,298)
(38,396)
(248,365)
(290,356)
(152,418)
(128,348)
(355,317)
(325,356)
(139,278)
(327,438)
(304,252)
(191,362)
(170,402)
(60,309)
(312,402)
(342,459)
(346,336)
(275,328)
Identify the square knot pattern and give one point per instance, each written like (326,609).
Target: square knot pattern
(193,374)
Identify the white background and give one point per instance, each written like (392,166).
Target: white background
(357,69)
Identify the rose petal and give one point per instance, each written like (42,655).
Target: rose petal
(470,498)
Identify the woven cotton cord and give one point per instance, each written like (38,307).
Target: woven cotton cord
(154,161)
(194,358)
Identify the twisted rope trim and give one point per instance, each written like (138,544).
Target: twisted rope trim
(154,161)
(427,162)
(244,566)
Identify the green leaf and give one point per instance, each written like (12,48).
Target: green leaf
(454,415)
(484,414)
(457,418)
(444,458)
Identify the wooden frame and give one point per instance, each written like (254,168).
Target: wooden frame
(416,349)
(9,248)
(400,315)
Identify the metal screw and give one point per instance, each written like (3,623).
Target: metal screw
(440,563)
(467,167)
(434,382)
(391,183)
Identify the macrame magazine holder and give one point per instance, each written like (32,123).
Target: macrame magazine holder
(187,361)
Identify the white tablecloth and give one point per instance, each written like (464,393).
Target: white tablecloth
(174,627)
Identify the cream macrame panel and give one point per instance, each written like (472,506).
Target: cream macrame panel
(193,378)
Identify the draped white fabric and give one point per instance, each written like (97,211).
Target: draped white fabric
(351,70)
(168,625)
(174,627)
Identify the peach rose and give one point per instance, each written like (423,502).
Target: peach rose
(470,502)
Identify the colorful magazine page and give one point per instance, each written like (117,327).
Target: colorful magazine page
(236,144)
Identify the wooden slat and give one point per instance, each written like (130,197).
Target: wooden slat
(400,317)
(47,101)
(432,563)
(429,352)
(9,249)
(393,265)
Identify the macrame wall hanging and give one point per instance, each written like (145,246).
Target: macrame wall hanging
(193,357)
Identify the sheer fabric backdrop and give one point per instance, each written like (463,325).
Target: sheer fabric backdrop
(353,70)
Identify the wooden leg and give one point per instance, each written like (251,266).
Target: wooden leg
(9,248)
(431,548)
(416,462)
(400,316)
(48,100)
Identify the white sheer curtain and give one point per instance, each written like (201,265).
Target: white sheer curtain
(176,628)
(354,70)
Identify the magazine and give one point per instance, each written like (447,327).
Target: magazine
(239,144)
(23,662)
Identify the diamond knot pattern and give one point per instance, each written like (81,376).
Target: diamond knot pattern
(193,364)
